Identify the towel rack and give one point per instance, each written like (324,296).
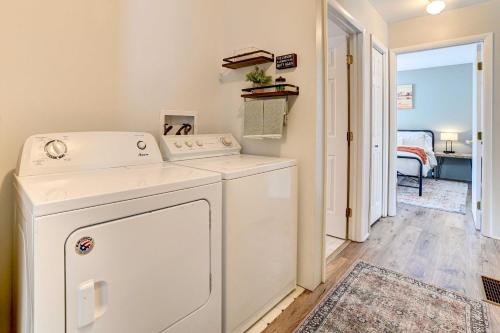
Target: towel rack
(273,91)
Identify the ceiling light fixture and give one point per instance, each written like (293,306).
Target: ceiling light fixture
(435,7)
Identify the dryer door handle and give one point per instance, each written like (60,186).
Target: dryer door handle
(86,303)
(92,301)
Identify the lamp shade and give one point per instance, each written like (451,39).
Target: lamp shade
(449,136)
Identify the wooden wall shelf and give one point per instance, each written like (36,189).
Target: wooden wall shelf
(270,94)
(248,59)
(260,92)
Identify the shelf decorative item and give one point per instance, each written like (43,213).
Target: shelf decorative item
(246,59)
(279,83)
(286,61)
(258,77)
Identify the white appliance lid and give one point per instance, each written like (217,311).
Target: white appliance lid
(236,166)
(55,193)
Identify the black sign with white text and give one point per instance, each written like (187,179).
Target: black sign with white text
(286,61)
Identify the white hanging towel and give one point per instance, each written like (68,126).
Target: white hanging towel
(253,123)
(264,118)
(274,114)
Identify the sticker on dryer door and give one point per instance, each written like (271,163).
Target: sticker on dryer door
(84,245)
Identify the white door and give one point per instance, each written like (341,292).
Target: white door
(141,274)
(337,128)
(376,182)
(477,145)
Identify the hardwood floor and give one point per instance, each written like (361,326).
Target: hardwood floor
(433,246)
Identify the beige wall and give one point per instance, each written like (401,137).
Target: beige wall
(458,23)
(169,59)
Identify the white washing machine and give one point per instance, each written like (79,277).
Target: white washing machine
(112,239)
(259,223)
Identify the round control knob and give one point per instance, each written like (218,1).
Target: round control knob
(189,144)
(56,149)
(141,145)
(199,143)
(178,144)
(226,141)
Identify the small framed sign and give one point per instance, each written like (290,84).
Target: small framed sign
(405,97)
(286,61)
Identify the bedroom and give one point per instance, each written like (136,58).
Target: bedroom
(437,115)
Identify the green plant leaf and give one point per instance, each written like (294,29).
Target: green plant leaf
(258,76)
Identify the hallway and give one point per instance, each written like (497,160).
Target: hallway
(433,246)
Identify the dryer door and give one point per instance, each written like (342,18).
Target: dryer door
(138,274)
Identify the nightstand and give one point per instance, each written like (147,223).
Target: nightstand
(441,158)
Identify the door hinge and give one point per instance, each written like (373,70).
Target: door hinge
(480,66)
(478,205)
(350,136)
(480,136)
(348,212)
(349,59)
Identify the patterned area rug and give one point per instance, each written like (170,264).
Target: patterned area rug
(374,299)
(445,195)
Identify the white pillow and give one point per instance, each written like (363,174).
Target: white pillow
(415,139)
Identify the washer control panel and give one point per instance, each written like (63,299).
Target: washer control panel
(66,152)
(185,147)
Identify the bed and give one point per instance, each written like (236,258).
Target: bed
(411,165)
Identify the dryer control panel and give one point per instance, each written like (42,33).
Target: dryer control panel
(77,151)
(186,147)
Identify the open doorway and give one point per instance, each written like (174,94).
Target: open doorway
(440,127)
(437,116)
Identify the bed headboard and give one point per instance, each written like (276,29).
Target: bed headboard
(431,133)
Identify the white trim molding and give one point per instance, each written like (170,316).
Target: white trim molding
(360,147)
(360,119)
(360,122)
(343,17)
(393,125)
(488,60)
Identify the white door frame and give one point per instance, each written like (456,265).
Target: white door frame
(380,47)
(487,119)
(360,123)
(477,148)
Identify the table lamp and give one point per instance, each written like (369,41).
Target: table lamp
(449,137)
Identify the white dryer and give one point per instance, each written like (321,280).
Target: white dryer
(259,223)
(111,239)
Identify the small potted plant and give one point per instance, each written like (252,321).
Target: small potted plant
(258,77)
(280,81)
